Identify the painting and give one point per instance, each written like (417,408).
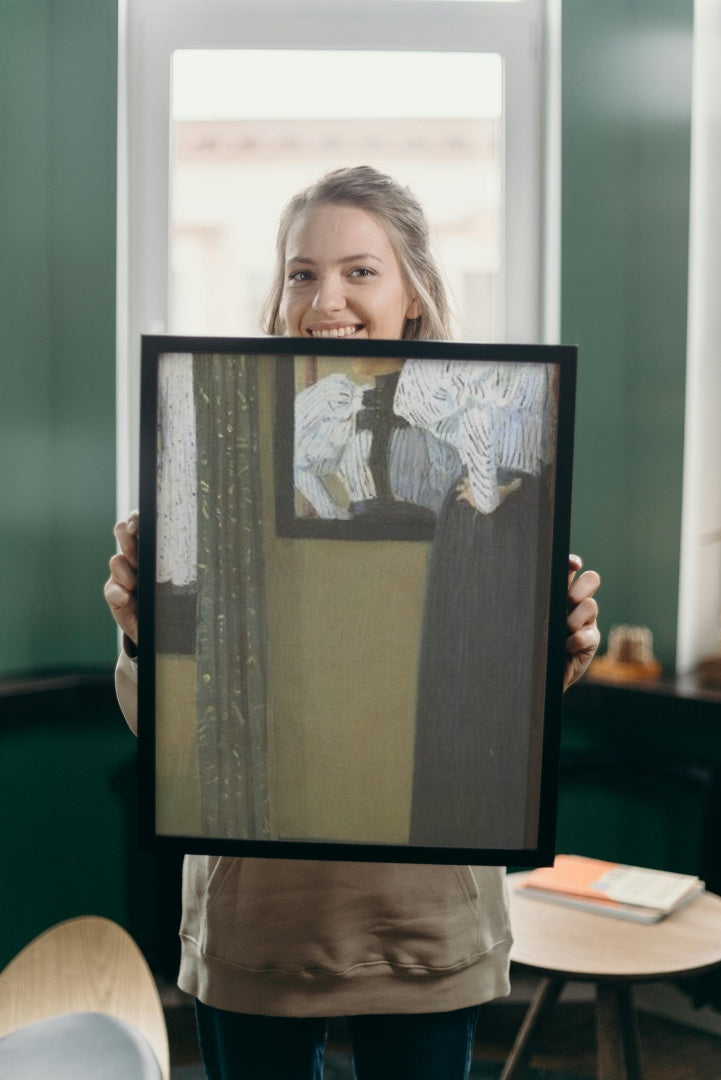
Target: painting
(352,597)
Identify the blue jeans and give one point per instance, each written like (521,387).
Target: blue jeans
(416,1046)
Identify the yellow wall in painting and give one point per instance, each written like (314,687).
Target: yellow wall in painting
(176,747)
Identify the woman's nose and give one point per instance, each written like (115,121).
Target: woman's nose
(329,296)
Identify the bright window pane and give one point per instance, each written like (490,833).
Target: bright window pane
(455,1)
(252,127)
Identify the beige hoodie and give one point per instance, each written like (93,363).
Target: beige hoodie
(284,937)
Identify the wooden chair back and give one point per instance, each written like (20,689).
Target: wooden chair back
(87,964)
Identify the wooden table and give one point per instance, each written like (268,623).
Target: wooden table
(563,944)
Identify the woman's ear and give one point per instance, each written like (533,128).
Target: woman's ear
(415,309)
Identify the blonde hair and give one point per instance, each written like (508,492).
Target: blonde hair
(403,217)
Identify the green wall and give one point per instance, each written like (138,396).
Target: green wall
(58,72)
(626,145)
(67,773)
(626,132)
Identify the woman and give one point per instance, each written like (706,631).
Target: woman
(271,948)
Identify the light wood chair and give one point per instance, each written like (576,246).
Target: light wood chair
(87,965)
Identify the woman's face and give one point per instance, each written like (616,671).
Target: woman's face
(342,277)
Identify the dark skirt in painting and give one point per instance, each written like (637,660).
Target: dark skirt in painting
(482,673)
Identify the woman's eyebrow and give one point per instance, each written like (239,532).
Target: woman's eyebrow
(361,257)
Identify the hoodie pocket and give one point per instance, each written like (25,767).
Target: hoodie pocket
(468,884)
(296,916)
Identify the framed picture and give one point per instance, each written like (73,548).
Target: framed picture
(352,597)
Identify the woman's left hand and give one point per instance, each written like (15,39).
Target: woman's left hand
(464,493)
(583,635)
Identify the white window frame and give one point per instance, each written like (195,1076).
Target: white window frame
(699,597)
(526,34)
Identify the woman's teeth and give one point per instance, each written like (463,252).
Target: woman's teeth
(336,332)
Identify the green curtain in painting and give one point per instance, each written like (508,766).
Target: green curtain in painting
(231,682)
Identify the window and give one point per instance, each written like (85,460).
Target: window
(236,158)
(229,106)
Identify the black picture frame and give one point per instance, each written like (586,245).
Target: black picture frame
(321,688)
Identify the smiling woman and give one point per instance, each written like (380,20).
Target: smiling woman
(332,292)
(353,258)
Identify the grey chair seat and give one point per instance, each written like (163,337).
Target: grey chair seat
(78,1046)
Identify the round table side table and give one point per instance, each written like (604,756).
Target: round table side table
(564,944)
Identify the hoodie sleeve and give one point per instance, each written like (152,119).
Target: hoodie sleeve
(126,688)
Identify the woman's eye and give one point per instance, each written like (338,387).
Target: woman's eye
(362,272)
(300,276)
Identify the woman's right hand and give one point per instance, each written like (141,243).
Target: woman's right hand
(121,587)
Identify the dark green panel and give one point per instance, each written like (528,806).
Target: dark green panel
(68,785)
(638,820)
(69,839)
(626,143)
(642,777)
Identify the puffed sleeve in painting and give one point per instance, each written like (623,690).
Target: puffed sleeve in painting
(324,422)
(492,414)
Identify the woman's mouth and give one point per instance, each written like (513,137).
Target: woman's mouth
(335,331)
